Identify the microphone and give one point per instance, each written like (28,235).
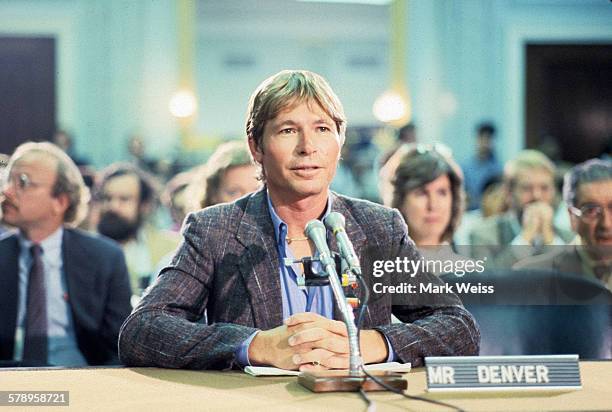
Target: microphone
(315,231)
(336,222)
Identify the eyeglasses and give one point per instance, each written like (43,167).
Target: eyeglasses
(21,182)
(590,212)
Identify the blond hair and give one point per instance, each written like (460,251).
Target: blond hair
(285,89)
(206,181)
(526,160)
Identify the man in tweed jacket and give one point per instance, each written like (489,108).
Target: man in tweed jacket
(228,270)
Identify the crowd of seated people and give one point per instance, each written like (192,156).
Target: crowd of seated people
(587,192)
(67,290)
(530,223)
(124,245)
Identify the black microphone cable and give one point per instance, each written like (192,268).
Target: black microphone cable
(366,398)
(362,308)
(412,397)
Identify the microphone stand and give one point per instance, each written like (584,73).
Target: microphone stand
(355,360)
(340,380)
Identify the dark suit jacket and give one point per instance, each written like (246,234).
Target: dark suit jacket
(228,265)
(564,259)
(98,293)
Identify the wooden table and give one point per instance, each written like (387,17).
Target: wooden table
(152,389)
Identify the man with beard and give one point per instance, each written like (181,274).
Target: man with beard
(587,190)
(64,292)
(528,226)
(126,198)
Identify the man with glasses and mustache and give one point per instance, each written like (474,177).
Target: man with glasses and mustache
(587,190)
(64,292)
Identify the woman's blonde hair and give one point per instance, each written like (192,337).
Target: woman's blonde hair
(206,181)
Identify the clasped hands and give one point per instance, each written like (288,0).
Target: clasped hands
(538,221)
(308,341)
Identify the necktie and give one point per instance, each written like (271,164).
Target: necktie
(35,342)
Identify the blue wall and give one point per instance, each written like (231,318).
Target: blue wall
(475,51)
(117,62)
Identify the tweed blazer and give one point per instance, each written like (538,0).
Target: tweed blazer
(228,266)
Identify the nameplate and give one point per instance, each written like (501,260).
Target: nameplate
(502,373)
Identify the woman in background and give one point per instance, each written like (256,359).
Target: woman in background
(428,191)
(228,175)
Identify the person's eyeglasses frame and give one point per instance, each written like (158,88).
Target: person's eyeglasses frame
(583,212)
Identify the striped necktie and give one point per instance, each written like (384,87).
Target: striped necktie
(35,342)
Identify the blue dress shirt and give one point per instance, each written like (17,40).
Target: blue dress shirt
(317,299)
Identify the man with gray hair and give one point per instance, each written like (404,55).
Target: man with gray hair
(64,292)
(587,190)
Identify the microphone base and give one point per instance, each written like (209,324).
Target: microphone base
(342,381)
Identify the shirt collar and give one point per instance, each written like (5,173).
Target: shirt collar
(52,244)
(280,227)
